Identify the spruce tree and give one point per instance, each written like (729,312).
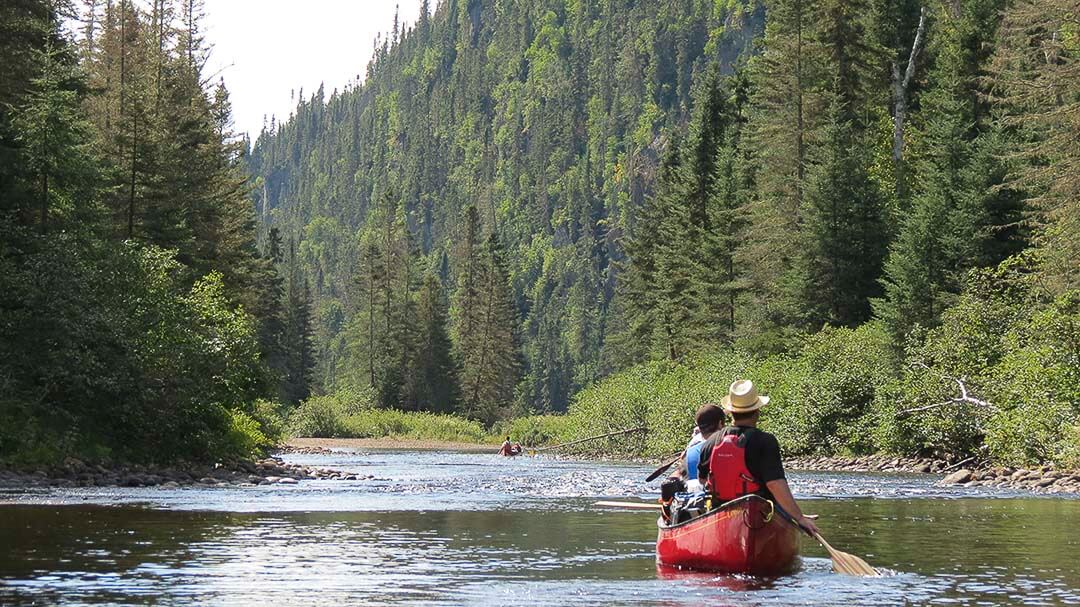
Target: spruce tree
(432,379)
(1036,88)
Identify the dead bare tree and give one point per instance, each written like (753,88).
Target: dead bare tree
(901,87)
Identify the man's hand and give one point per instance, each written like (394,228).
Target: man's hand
(808,524)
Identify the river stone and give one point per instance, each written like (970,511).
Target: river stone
(1046,482)
(287,481)
(960,476)
(272,479)
(925,468)
(170,484)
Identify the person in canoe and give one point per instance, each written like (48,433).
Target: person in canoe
(709,419)
(741,459)
(509,448)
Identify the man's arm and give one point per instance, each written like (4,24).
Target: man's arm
(782,494)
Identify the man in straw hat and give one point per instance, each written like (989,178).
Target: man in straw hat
(741,459)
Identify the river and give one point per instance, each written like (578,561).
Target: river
(444,528)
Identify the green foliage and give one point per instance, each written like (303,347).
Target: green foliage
(324,416)
(145,348)
(535,430)
(354,415)
(378,423)
(244,437)
(271,419)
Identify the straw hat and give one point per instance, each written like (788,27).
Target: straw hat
(742,397)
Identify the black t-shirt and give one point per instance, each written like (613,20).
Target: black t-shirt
(762,454)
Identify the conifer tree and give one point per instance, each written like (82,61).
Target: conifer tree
(961,216)
(1036,85)
(432,379)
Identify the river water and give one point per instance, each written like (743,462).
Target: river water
(440,528)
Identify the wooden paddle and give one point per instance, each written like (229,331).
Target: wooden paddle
(630,505)
(842,562)
(845,563)
(663,468)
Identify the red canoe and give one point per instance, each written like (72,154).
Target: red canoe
(742,536)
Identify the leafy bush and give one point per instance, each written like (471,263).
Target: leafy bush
(354,415)
(271,419)
(245,437)
(379,423)
(110,349)
(822,394)
(536,430)
(324,416)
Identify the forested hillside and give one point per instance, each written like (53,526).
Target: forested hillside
(138,320)
(490,142)
(524,197)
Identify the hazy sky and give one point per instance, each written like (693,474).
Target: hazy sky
(266,48)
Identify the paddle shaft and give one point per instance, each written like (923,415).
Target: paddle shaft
(630,505)
(663,468)
(842,561)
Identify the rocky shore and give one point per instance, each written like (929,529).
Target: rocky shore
(1045,479)
(75,473)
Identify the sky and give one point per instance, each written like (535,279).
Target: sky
(268,49)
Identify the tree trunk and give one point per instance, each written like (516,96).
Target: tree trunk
(134,158)
(901,85)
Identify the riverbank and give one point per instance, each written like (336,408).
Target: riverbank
(76,473)
(1044,479)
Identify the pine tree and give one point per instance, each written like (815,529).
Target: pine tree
(784,135)
(1035,75)
(432,381)
(842,245)
(53,134)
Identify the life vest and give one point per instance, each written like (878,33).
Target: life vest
(729,478)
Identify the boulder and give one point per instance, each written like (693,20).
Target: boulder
(287,481)
(960,476)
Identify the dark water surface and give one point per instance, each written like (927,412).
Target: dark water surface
(455,529)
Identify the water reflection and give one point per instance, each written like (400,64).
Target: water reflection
(534,542)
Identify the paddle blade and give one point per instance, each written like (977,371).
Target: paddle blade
(847,564)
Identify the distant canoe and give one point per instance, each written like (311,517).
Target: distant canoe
(742,536)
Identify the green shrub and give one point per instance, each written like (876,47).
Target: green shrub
(324,416)
(244,438)
(271,419)
(822,394)
(1011,348)
(1036,387)
(379,423)
(536,430)
(352,414)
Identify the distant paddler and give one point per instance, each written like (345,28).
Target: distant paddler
(509,449)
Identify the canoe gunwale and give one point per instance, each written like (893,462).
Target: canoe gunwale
(735,503)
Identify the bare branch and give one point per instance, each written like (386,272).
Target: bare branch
(964,398)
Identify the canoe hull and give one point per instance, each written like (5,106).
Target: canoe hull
(738,537)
